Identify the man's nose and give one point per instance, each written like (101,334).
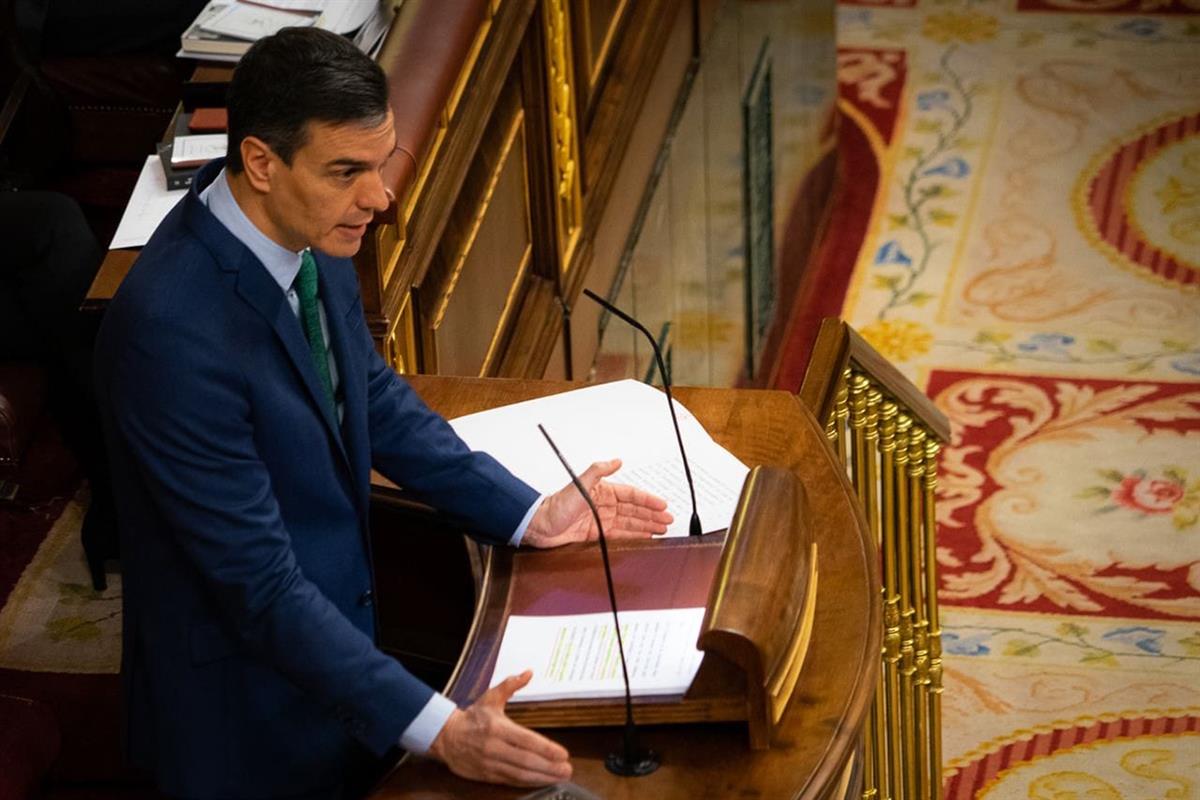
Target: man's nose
(374,195)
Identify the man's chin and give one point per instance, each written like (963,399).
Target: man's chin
(342,242)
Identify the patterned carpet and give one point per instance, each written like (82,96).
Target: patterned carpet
(1028,173)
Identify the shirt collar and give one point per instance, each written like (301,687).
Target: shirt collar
(281,263)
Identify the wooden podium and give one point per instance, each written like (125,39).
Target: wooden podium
(791,634)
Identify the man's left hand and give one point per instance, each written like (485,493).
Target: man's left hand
(627,513)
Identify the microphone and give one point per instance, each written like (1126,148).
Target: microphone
(631,760)
(694,529)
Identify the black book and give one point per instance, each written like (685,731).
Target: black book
(177,178)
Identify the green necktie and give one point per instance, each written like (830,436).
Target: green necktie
(310,317)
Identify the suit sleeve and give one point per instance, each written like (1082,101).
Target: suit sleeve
(187,423)
(417,449)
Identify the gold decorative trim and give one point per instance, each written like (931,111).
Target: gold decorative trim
(400,344)
(784,684)
(464,75)
(597,59)
(563,129)
(389,244)
(510,303)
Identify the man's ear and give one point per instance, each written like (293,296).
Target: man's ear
(258,163)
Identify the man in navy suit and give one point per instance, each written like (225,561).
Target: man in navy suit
(245,406)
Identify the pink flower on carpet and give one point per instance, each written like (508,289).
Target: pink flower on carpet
(1171,491)
(1156,496)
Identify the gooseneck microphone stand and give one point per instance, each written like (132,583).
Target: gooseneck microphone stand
(631,760)
(694,528)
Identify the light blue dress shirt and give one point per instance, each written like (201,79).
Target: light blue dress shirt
(284,265)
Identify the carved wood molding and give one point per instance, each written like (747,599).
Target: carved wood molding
(564,128)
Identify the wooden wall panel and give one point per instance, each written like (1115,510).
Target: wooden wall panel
(597,27)
(475,280)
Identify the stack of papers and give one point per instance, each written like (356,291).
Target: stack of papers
(575,657)
(225,29)
(198,149)
(624,419)
(253,22)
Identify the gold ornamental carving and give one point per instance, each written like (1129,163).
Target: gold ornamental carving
(563,131)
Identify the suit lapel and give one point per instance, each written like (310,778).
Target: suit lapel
(258,288)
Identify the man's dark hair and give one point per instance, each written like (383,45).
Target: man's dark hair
(297,76)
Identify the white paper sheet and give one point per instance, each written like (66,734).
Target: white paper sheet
(369,38)
(251,22)
(624,419)
(343,16)
(198,148)
(150,202)
(576,656)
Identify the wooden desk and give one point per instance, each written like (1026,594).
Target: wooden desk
(813,757)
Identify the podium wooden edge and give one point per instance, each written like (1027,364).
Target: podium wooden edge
(763,627)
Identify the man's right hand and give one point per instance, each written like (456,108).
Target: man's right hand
(482,744)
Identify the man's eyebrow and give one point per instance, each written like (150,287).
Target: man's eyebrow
(346,162)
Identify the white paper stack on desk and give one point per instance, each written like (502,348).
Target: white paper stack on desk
(624,419)
(225,29)
(575,657)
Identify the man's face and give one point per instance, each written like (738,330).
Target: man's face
(333,187)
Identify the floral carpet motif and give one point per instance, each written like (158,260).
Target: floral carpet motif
(1070,495)
(53,621)
(1031,258)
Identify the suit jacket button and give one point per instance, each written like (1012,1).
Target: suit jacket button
(367,598)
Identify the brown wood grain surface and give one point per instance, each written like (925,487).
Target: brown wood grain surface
(838,346)
(819,732)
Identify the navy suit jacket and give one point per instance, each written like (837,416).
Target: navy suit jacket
(249,658)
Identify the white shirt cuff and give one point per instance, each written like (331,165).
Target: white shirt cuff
(519,533)
(419,735)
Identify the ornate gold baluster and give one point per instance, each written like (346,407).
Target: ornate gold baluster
(857,386)
(864,475)
(891,607)
(878,721)
(916,525)
(857,447)
(870,750)
(841,413)
(935,626)
(907,787)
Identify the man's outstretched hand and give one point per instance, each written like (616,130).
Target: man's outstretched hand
(627,513)
(481,744)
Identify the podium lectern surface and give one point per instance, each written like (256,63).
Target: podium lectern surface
(811,753)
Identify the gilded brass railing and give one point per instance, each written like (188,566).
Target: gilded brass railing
(889,434)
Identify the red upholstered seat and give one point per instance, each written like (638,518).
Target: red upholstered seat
(431,41)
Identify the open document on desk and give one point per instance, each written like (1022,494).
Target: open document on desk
(575,657)
(149,205)
(623,419)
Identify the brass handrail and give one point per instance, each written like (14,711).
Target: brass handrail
(889,434)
